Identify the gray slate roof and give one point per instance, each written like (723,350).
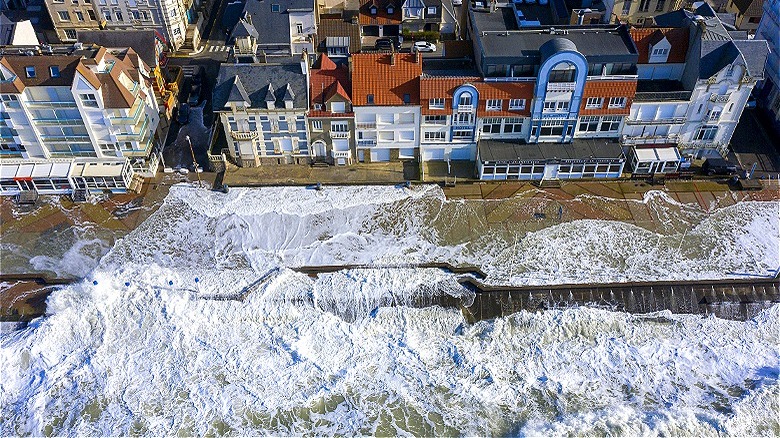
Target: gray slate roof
(579,149)
(143,42)
(755,53)
(270,27)
(255,80)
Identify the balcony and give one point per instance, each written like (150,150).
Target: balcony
(59,122)
(720,98)
(651,139)
(367,142)
(666,121)
(342,154)
(48,103)
(561,86)
(66,138)
(366,125)
(244,135)
(465,108)
(339,134)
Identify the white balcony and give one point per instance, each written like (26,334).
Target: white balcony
(650,139)
(367,142)
(244,135)
(465,108)
(665,121)
(342,154)
(339,134)
(561,86)
(366,125)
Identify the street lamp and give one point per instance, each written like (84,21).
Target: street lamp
(194,162)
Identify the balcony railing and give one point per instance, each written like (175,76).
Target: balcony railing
(341,154)
(465,108)
(666,121)
(339,134)
(651,139)
(48,103)
(655,96)
(366,125)
(66,138)
(367,142)
(244,135)
(720,98)
(59,122)
(561,86)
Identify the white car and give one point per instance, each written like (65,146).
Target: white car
(457,2)
(424,46)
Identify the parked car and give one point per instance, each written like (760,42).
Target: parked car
(424,46)
(718,166)
(387,44)
(457,2)
(184,114)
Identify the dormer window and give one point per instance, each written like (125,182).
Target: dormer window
(370,99)
(390,9)
(54,71)
(30,71)
(373,10)
(432,10)
(407,99)
(729,71)
(276,8)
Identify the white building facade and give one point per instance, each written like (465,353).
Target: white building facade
(90,128)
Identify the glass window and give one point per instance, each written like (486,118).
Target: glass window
(493,105)
(79,16)
(588,123)
(30,71)
(594,102)
(275,8)
(706,133)
(370,99)
(437,103)
(432,10)
(617,102)
(516,104)
(54,71)
(64,15)
(316,125)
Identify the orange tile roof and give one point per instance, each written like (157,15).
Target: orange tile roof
(444,87)
(373,73)
(328,80)
(381,17)
(677,37)
(605,90)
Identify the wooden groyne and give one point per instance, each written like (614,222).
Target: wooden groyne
(738,299)
(471,270)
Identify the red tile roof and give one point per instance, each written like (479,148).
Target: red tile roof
(374,73)
(381,17)
(328,80)
(444,87)
(677,37)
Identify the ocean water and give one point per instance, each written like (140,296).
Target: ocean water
(139,347)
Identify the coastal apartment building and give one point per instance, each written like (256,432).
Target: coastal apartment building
(386,103)
(262,108)
(176,21)
(769,30)
(76,121)
(331,121)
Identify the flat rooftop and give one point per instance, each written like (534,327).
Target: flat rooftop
(579,149)
(446,67)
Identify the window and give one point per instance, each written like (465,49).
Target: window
(436,120)
(729,71)
(64,15)
(754,20)
(549,107)
(30,71)
(437,103)
(493,105)
(435,136)
(316,125)
(390,9)
(88,100)
(556,106)
(491,125)
(91,15)
(594,102)
(626,7)
(659,7)
(644,5)
(610,123)
(232,123)
(54,71)
(660,51)
(136,15)
(79,16)
(516,104)
(706,133)
(462,135)
(714,114)
(407,99)
(252,124)
(464,99)
(107,15)
(513,125)
(617,102)
(370,99)
(551,127)
(145,15)
(70,34)
(275,8)
(299,28)
(338,107)
(118,16)
(339,127)
(373,10)
(588,124)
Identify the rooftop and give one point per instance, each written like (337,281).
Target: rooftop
(269,20)
(338,27)
(328,80)
(677,37)
(260,82)
(143,42)
(386,76)
(494,150)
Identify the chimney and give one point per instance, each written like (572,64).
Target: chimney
(492,5)
(392,57)
(417,56)
(305,62)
